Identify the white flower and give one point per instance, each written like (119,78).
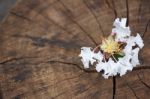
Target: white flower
(117,54)
(108,68)
(124,65)
(112,68)
(121,30)
(132,41)
(139,41)
(89,57)
(134,59)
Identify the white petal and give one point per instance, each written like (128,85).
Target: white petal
(135,60)
(121,30)
(89,57)
(130,43)
(98,56)
(123,22)
(108,68)
(139,41)
(101,66)
(86,55)
(85,63)
(124,65)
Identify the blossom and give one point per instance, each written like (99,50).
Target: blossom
(89,57)
(110,45)
(117,54)
(120,29)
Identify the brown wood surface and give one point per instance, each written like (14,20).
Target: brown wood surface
(40,41)
(5,6)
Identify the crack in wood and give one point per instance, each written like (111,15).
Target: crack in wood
(114,9)
(145,84)
(55,23)
(127,13)
(45,7)
(88,71)
(85,32)
(96,18)
(141,67)
(114,87)
(108,4)
(48,19)
(75,22)
(15,59)
(146,28)
(79,67)
(21,16)
(132,91)
(93,70)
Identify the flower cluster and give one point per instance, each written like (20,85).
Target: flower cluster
(117,54)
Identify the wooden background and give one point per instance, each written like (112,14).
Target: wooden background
(40,41)
(5,6)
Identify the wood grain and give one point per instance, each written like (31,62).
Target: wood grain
(41,39)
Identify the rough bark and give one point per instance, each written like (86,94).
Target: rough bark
(41,39)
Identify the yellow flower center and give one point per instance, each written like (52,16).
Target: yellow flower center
(109,45)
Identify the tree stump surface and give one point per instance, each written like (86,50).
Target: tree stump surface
(41,39)
(5,6)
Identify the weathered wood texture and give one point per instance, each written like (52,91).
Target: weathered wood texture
(40,41)
(5,6)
